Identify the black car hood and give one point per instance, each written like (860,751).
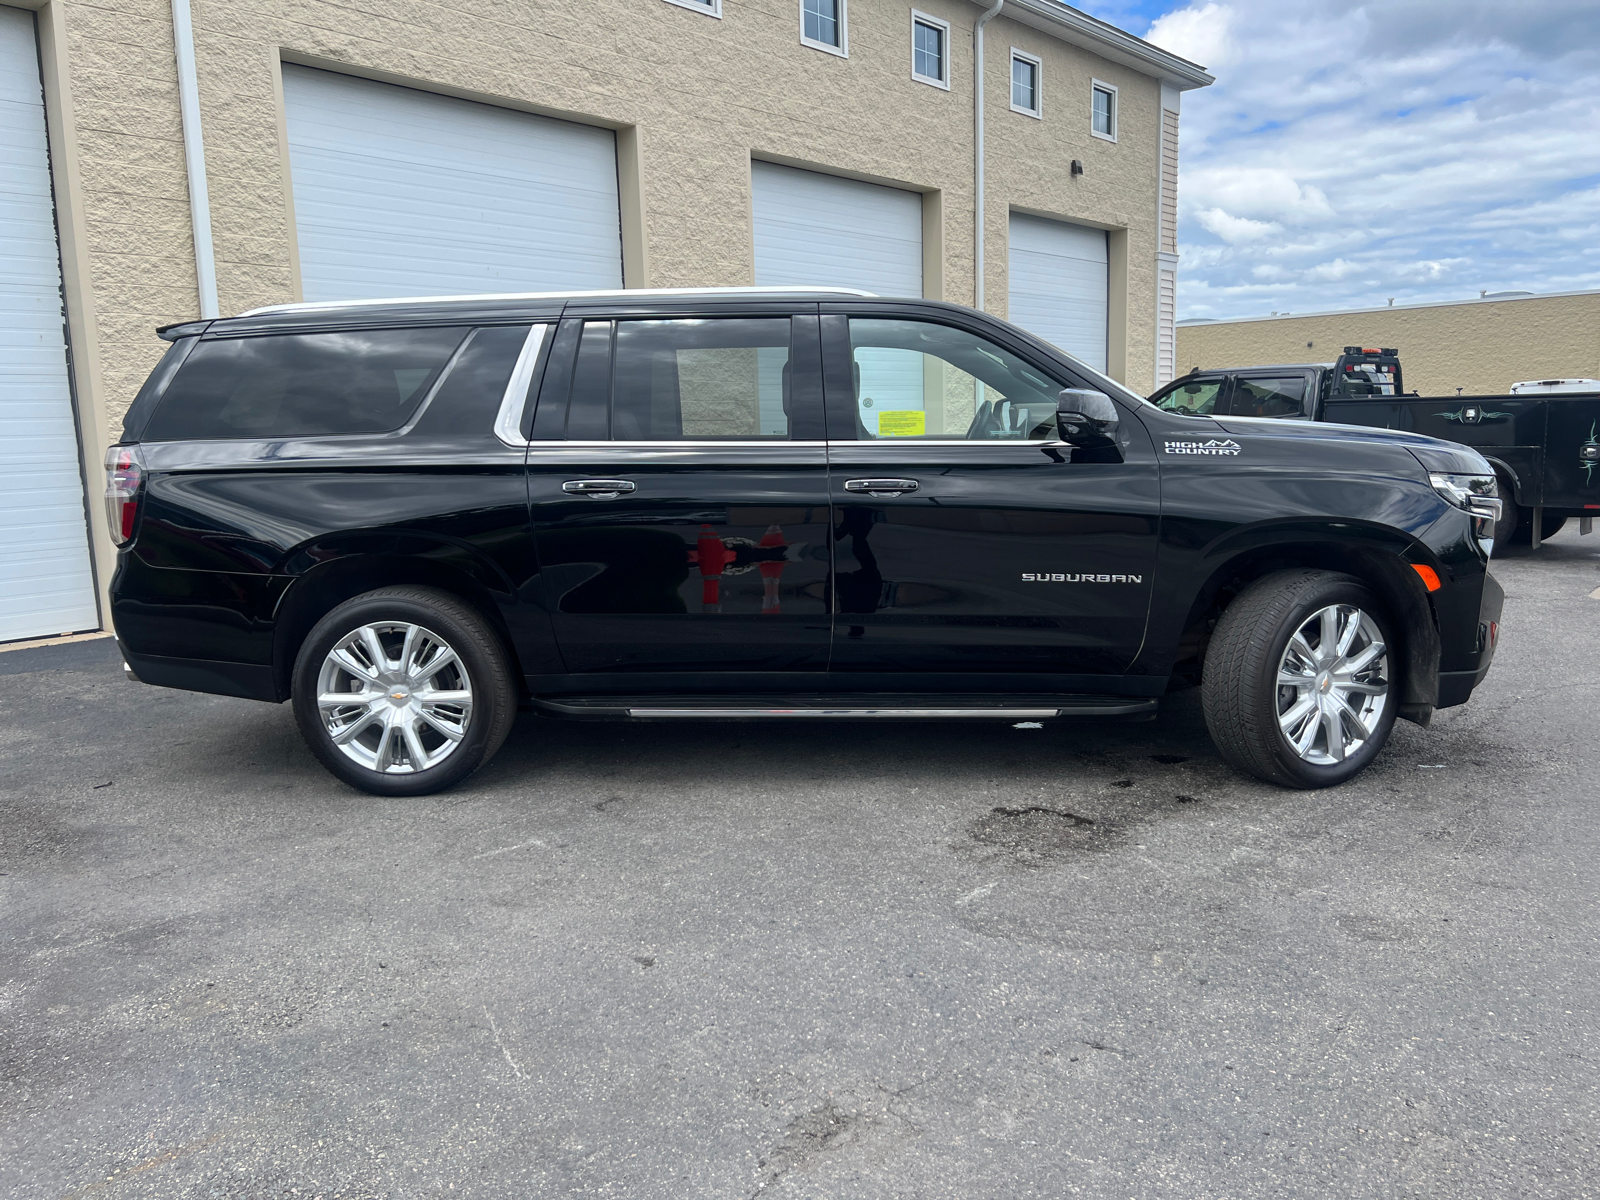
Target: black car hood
(1435,454)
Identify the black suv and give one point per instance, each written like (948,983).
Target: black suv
(413,517)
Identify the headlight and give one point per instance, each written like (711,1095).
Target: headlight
(1478,494)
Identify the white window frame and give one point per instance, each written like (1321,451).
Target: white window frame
(706,8)
(843,48)
(922,18)
(1096,85)
(1037,112)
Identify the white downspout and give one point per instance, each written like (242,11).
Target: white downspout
(977,147)
(194,157)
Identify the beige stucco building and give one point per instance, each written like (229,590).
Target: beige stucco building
(1481,346)
(307,154)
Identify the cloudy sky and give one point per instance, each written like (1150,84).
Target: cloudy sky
(1352,152)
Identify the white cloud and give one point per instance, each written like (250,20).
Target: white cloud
(1257,192)
(1354,150)
(1235,230)
(1198,34)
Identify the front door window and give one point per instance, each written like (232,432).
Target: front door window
(914,379)
(1193,398)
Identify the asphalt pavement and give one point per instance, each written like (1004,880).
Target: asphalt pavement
(805,960)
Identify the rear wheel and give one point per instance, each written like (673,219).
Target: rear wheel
(1511,515)
(403,691)
(1297,685)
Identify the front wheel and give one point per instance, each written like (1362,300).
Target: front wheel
(1298,687)
(403,691)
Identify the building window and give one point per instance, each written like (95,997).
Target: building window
(1025,84)
(930,50)
(822,26)
(712,8)
(1104,117)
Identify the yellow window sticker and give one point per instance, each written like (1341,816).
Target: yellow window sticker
(902,422)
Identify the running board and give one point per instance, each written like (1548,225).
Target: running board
(907,707)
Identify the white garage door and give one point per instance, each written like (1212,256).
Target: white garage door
(46,585)
(822,231)
(1058,285)
(399,192)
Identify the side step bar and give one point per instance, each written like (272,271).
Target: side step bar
(907,707)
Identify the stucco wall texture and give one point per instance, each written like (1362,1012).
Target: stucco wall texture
(694,100)
(1481,346)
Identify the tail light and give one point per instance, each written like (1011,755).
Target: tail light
(124,473)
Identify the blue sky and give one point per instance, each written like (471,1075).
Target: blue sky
(1354,152)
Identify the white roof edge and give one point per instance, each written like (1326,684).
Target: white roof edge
(1350,312)
(322,305)
(1080,29)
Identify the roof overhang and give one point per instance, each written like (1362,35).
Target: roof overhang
(1080,29)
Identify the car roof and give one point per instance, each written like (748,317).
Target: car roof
(499,306)
(1266,367)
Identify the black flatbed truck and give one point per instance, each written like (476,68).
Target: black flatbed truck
(1545,447)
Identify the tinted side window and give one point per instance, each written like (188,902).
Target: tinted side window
(302,384)
(1268,396)
(915,379)
(683,380)
(1197,398)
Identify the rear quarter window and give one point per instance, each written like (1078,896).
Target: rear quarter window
(302,384)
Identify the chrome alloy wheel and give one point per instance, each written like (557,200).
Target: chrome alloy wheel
(1333,684)
(394,697)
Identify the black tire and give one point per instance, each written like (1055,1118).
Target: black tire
(1551,526)
(1239,686)
(1511,516)
(482,660)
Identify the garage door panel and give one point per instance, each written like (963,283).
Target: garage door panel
(820,230)
(401,192)
(1058,284)
(46,582)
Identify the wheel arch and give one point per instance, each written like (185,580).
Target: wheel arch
(318,591)
(1380,564)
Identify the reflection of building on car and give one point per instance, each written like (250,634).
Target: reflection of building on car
(411,518)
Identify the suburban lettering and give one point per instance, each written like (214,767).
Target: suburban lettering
(1077,577)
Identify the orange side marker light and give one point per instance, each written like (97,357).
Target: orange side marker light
(1430,577)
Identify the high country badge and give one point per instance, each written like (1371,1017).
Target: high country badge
(1225,446)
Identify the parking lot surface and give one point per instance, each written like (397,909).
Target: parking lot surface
(785,960)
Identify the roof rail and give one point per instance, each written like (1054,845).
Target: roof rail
(319,305)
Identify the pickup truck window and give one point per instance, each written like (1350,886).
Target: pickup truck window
(1197,398)
(915,379)
(1268,396)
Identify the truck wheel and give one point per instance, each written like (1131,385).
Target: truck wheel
(403,691)
(1298,687)
(1511,516)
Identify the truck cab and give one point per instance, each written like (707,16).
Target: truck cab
(1292,391)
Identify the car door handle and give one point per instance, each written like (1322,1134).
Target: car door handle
(598,489)
(880,487)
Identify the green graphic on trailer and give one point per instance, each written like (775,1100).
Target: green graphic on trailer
(1471,415)
(1589,453)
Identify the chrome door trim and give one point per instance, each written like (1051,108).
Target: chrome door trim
(1010,714)
(508,421)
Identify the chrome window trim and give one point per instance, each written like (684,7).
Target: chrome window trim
(508,421)
(764,443)
(878,443)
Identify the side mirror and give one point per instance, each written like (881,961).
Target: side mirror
(1086,418)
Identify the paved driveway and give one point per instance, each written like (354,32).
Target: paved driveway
(787,960)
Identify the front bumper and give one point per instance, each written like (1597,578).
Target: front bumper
(1456,687)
